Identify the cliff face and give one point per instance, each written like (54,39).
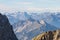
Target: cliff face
(50,35)
(6,30)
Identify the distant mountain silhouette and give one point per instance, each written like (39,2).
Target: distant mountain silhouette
(6,30)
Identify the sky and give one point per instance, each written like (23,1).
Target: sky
(30,5)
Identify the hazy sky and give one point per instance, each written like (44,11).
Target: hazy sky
(31,5)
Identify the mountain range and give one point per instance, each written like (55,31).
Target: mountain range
(50,17)
(27,25)
(26,30)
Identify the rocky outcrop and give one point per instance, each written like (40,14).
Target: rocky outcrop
(50,35)
(6,30)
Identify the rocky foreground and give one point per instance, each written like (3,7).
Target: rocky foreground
(50,35)
(6,30)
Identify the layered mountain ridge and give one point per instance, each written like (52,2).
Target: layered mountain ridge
(26,30)
(51,18)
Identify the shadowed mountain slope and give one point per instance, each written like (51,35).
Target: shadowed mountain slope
(6,30)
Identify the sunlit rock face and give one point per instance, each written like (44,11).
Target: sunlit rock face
(50,35)
(6,30)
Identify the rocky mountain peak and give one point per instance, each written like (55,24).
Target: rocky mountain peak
(49,35)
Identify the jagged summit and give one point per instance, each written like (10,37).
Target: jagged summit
(6,30)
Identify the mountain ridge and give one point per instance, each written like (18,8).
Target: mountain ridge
(49,35)
(30,29)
